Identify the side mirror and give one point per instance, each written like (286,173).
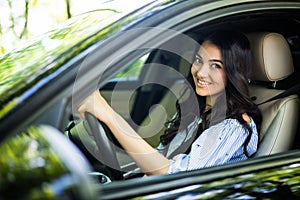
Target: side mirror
(41,163)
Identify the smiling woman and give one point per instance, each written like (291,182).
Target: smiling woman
(208,70)
(224,137)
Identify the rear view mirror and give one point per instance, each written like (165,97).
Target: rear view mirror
(41,163)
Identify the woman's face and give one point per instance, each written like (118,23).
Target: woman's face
(208,70)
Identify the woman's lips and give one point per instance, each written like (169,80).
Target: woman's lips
(202,83)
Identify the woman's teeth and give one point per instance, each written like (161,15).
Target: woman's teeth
(202,82)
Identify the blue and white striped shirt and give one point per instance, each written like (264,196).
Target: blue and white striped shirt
(219,144)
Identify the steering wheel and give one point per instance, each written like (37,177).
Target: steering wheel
(106,150)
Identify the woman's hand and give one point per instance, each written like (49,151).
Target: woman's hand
(149,160)
(96,105)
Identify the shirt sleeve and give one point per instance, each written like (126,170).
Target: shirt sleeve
(222,143)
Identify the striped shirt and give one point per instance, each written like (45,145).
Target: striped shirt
(219,144)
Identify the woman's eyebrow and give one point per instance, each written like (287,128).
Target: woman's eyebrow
(211,60)
(216,60)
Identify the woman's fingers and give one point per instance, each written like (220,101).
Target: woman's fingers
(93,104)
(86,105)
(81,111)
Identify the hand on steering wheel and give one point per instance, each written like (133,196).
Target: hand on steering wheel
(105,145)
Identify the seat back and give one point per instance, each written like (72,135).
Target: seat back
(273,62)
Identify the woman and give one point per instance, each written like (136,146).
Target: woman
(230,120)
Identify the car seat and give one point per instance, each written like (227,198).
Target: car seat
(272,62)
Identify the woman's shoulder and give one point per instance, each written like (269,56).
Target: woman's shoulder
(232,123)
(235,121)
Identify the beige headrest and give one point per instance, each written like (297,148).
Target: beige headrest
(272,57)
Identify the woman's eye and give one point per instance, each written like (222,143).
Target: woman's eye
(198,60)
(216,66)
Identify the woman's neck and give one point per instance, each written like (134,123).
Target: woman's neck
(211,100)
(217,107)
(208,103)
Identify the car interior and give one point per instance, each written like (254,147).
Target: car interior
(273,62)
(146,105)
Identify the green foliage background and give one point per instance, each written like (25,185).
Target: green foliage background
(21,20)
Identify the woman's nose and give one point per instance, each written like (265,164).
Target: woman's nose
(203,70)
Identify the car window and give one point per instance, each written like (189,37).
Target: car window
(132,72)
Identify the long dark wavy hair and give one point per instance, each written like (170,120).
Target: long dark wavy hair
(237,62)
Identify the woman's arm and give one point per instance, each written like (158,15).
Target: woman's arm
(148,159)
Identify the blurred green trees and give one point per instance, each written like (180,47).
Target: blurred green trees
(22,19)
